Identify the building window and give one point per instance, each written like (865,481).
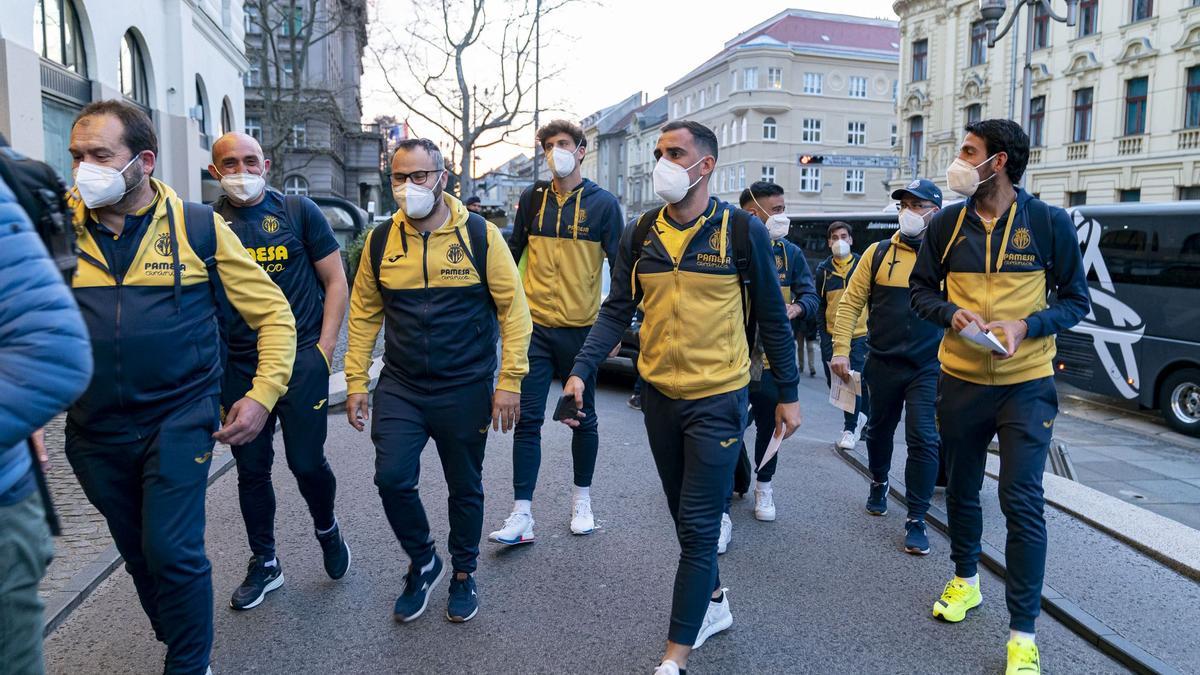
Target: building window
(1088,11)
(916,135)
(292,25)
(1077,198)
(770,129)
(1189,192)
(1037,121)
(1141,9)
(702,96)
(858,86)
(856,133)
(724,135)
(717,92)
(1131,195)
(254,128)
(57,36)
(1191,111)
(920,56)
(1041,27)
(1135,105)
(733,81)
(742,177)
(295,185)
(978,43)
(1081,129)
(298,138)
(750,81)
(768,174)
(131,68)
(253,76)
(201,113)
(895,90)
(810,132)
(814,83)
(856,183)
(687,105)
(253,21)
(620,186)
(810,179)
(675,110)
(226,117)
(893,143)
(775,78)
(974,113)
(745,125)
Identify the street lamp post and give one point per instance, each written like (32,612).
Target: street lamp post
(537,78)
(993,11)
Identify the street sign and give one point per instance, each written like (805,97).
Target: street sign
(859,161)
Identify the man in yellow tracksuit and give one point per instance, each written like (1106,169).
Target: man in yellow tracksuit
(151,270)
(988,264)
(445,285)
(831,277)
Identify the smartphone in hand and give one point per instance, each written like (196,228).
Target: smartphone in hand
(566,409)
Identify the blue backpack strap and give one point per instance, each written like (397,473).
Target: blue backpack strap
(379,239)
(294,208)
(477,234)
(201,234)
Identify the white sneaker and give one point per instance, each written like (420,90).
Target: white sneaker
(518,529)
(667,667)
(726,533)
(861,428)
(716,619)
(582,521)
(847,441)
(764,505)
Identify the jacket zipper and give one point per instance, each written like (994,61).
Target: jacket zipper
(987,276)
(425,305)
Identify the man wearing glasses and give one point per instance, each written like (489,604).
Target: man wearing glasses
(443,281)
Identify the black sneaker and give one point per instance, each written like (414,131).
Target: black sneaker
(259,581)
(916,541)
(335,552)
(877,500)
(417,585)
(635,402)
(464,601)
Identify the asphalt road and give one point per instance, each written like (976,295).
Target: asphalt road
(825,589)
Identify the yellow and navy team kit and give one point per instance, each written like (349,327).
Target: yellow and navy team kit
(147,297)
(693,338)
(441,320)
(561,241)
(880,285)
(285,235)
(795,279)
(999,270)
(832,278)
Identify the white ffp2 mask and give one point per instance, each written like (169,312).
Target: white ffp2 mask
(840,248)
(561,161)
(964,178)
(912,224)
(100,185)
(671,180)
(416,201)
(243,187)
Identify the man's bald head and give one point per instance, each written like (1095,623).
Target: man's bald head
(236,152)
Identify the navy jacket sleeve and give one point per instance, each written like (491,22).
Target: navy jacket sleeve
(318,235)
(615,314)
(804,292)
(1072,299)
(613,224)
(45,354)
(774,328)
(524,216)
(925,283)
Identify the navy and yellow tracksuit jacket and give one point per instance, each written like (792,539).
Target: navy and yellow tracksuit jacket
(1002,270)
(832,278)
(693,337)
(442,324)
(565,239)
(152,318)
(795,279)
(896,331)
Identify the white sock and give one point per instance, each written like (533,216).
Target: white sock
(270,563)
(581,492)
(1018,635)
(761,486)
(974,581)
(522,506)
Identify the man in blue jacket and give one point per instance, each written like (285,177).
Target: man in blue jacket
(45,363)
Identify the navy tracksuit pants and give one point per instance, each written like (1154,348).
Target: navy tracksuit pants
(151,493)
(303,414)
(897,385)
(858,362)
(551,356)
(1023,417)
(763,400)
(695,446)
(457,419)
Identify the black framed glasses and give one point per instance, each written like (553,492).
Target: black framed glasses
(418,177)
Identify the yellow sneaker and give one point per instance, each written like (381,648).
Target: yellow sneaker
(958,597)
(1022,658)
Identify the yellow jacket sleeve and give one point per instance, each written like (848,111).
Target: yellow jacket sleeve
(366,318)
(512,311)
(852,302)
(260,302)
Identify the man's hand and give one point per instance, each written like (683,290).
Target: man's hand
(1014,333)
(38,440)
(964,317)
(788,418)
(357,412)
(840,366)
(574,387)
(506,410)
(242,423)
(794,310)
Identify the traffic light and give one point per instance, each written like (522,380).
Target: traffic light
(812,159)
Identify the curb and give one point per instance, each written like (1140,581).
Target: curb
(1074,617)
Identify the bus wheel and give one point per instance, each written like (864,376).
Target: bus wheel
(1179,400)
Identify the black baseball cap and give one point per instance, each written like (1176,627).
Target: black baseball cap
(921,188)
(472,200)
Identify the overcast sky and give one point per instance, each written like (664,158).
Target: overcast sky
(609,50)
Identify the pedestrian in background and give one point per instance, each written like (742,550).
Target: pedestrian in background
(832,278)
(808,343)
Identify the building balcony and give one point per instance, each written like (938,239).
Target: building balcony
(1078,151)
(1189,139)
(765,101)
(1130,145)
(1035,156)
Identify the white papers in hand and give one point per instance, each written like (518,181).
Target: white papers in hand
(772,448)
(842,394)
(983,338)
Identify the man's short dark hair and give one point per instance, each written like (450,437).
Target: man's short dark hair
(425,144)
(137,130)
(703,136)
(1005,136)
(759,189)
(838,225)
(556,127)
(473,199)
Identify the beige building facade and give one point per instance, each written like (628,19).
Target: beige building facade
(1115,107)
